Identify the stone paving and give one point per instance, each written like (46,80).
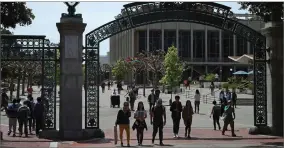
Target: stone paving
(202,133)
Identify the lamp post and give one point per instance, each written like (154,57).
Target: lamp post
(231,72)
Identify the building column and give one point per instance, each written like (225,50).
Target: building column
(206,46)
(177,35)
(163,37)
(234,49)
(133,50)
(191,42)
(220,45)
(248,48)
(148,38)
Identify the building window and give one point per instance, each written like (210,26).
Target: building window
(213,44)
(169,39)
(228,44)
(199,44)
(155,40)
(251,48)
(142,40)
(184,43)
(241,46)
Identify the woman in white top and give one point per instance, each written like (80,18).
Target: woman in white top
(140,115)
(196,101)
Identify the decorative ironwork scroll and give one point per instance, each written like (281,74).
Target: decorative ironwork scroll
(49,70)
(92,76)
(212,14)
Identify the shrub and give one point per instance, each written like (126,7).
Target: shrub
(210,77)
(250,86)
(225,85)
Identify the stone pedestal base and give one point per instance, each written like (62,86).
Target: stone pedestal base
(83,134)
(261,130)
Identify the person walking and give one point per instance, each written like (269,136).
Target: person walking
(38,114)
(216,112)
(212,87)
(152,99)
(108,84)
(12,113)
(4,101)
(103,85)
(229,117)
(197,101)
(132,97)
(234,98)
(187,113)
(176,109)
(23,116)
(123,122)
(158,120)
(221,96)
(31,120)
(140,115)
(157,93)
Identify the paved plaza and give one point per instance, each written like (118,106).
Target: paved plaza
(203,134)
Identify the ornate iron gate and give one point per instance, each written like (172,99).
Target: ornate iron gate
(91,86)
(34,53)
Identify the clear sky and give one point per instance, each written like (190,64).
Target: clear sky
(95,14)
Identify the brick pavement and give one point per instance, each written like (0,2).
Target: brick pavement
(207,137)
(20,142)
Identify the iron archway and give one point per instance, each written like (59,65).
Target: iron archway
(142,13)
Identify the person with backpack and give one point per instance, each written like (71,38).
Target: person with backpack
(158,120)
(12,113)
(38,115)
(31,120)
(23,116)
(229,117)
(216,112)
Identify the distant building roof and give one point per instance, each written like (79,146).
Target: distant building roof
(245,59)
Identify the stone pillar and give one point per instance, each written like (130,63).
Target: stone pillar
(234,45)
(273,32)
(71,77)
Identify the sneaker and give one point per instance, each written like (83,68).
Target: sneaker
(128,145)
(121,144)
(223,133)
(177,136)
(234,135)
(153,141)
(8,133)
(161,144)
(14,135)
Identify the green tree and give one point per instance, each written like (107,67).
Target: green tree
(173,68)
(13,13)
(120,69)
(268,11)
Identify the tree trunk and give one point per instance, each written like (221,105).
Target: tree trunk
(23,84)
(28,81)
(144,84)
(18,87)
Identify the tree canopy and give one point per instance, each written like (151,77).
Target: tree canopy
(268,11)
(119,70)
(173,68)
(13,13)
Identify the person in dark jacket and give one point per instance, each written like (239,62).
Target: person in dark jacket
(123,122)
(23,116)
(38,114)
(12,113)
(5,99)
(132,97)
(103,85)
(176,109)
(234,99)
(152,99)
(157,93)
(158,120)
(31,107)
